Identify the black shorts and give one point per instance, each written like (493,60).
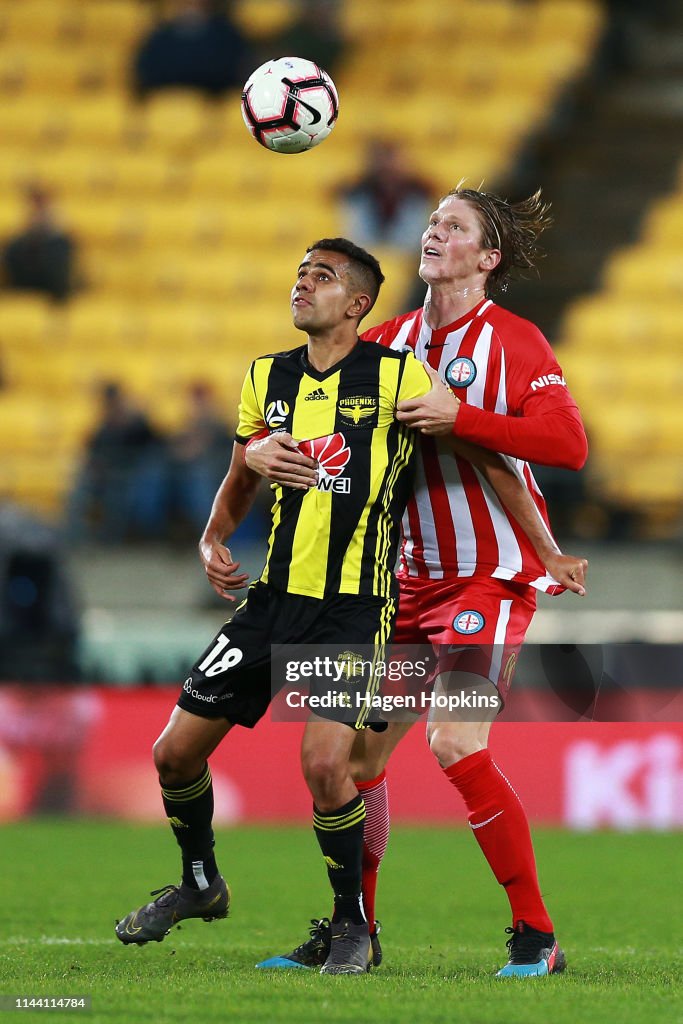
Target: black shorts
(232,677)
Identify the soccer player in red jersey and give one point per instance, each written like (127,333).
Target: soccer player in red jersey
(469,573)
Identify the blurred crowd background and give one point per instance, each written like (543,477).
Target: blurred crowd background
(147,247)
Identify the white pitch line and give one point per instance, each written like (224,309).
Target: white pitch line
(53,940)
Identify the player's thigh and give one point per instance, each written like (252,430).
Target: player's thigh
(186,743)
(326,746)
(231,678)
(479,627)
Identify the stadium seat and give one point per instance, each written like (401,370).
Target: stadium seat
(24,320)
(109,120)
(33,121)
(116,24)
(32,69)
(36,20)
(259,18)
(177,120)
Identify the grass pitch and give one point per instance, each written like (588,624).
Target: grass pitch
(615,899)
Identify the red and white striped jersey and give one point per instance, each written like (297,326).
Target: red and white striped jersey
(454,524)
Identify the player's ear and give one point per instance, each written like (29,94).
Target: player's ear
(360,305)
(490,260)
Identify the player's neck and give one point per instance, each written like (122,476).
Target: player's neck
(328,349)
(444,305)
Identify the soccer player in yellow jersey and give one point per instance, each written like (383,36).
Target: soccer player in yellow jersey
(328,579)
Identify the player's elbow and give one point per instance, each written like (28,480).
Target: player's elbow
(576,451)
(570,447)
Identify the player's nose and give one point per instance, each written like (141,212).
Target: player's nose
(304,284)
(435,233)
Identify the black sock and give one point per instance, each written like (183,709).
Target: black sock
(189,809)
(340,835)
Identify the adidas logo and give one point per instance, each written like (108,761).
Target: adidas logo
(317,396)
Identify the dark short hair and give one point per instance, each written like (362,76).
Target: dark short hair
(364,266)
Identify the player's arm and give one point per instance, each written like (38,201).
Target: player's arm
(233,500)
(236,494)
(550,431)
(568,570)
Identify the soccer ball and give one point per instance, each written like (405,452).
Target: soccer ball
(290,105)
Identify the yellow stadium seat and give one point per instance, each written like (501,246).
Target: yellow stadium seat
(650,480)
(34,20)
(90,323)
(113,23)
(654,272)
(33,121)
(39,480)
(143,174)
(105,223)
(52,70)
(499,20)
(605,324)
(258,18)
(664,222)
(578,21)
(110,120)
(177,120)
(26,422)
(24,320)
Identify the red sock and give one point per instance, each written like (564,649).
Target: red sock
(501,828)
(375,838)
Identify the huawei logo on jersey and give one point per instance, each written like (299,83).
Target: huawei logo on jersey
(332,455)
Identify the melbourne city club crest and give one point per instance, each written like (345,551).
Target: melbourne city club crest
(468,622)
(461,372)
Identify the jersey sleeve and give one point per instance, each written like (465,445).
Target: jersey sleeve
(543,423)
(415,380)
(555,437)
(250,419)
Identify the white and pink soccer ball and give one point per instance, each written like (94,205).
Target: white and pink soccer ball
(290,105)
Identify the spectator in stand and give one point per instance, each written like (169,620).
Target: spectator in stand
(198,459)
(198,47)
(315,33)
(388,205)
(119,491)
(389,202)
(199,455)
(40,258)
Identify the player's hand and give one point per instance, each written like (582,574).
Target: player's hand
(277,458)
(221,569)
(433,413)
(568,570)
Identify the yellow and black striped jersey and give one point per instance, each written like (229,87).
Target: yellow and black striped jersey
(341,536)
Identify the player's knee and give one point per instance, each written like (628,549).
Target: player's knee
(172,761)
(323,771)
(452,745)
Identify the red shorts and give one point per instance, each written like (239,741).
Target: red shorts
(475,624)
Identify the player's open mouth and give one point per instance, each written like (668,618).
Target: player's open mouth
(299,301)
(431,253)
